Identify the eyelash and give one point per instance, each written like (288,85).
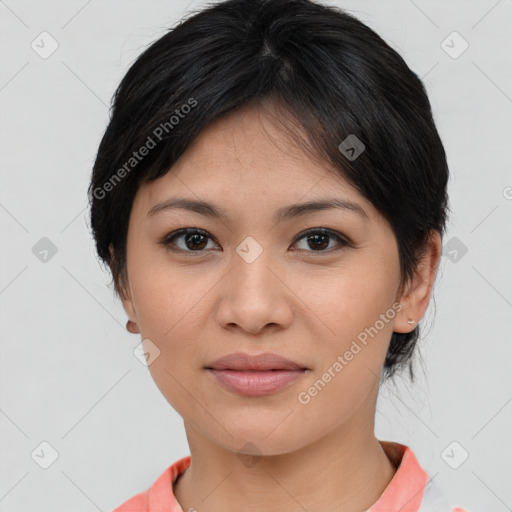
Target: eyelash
(169,239)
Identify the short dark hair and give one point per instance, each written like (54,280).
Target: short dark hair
(331,73)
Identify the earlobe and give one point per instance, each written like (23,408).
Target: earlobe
(132,327)
(416,296)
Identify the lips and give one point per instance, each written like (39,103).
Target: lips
(261,362)
(255,375)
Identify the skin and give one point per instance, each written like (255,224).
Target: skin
(302,302)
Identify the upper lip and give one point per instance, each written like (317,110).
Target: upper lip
(265,361)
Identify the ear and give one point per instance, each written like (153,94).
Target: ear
(123,288)
(416,297)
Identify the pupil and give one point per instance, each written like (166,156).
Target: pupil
(195,237)
(316,240)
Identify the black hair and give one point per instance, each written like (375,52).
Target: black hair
(337,79)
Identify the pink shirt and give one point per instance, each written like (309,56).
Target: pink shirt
(409,491)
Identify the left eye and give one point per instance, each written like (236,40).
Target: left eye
(195,240)
(319,238)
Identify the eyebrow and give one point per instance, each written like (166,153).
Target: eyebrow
(285,213)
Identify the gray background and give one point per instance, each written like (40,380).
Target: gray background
(68,373)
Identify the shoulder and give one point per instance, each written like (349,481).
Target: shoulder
(160,495)
(435,499)
(138,503)
(412,489)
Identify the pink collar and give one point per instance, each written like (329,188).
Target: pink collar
(404,492)
(406,489)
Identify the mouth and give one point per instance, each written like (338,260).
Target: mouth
(256,382)
(255,375)
(240,361)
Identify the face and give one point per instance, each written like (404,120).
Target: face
(252,281)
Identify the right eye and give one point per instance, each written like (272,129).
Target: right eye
(193,240)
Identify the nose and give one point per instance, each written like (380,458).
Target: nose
(254,296)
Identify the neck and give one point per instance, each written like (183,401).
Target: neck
(342,472)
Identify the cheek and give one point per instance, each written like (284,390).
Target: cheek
(171,304)
(351,348)
(162,295)
(169,317)
(347,301)
(168,314)
(356,320)
(337,397)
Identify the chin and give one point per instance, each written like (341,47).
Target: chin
(259,441)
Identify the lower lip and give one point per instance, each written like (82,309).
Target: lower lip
(256,383)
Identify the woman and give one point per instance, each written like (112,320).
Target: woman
(270,197)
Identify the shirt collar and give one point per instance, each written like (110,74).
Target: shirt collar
(404,493)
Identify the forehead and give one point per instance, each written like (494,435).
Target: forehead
(250,143)
(247,159)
